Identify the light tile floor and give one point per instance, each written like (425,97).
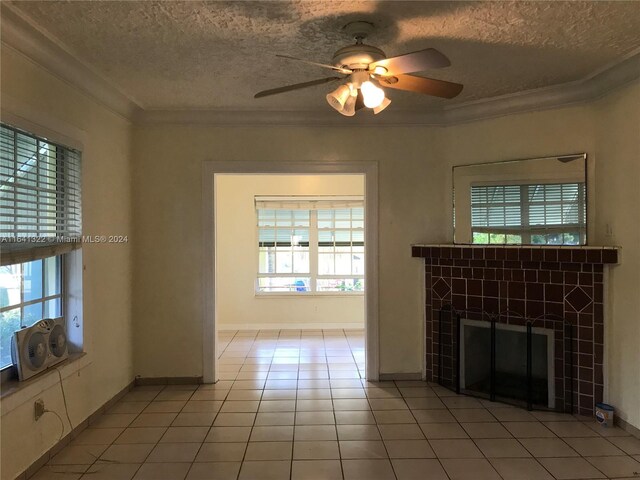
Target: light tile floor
(292,405)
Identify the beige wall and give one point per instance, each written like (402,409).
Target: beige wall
(617,178)
(37,97)
(237,256)
(168,209)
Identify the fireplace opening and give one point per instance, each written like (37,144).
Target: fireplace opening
(509,354)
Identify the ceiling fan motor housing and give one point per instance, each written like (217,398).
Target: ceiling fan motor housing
(357,56)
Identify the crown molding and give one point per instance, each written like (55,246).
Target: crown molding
(21,34)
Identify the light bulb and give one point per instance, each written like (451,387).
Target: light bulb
(373,96)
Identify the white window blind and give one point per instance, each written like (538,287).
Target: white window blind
(40,197)
(535,213)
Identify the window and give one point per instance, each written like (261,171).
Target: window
(552,214)
(40,224)
(310,245)
(29,292)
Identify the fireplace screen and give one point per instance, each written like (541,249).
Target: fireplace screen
(508,359)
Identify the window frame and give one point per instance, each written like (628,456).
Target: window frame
(71,253)
(313,273)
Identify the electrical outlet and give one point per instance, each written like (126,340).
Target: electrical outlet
(38,408)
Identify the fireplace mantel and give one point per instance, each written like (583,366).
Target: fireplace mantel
(546,281)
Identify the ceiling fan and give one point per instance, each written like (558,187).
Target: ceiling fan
(366,69)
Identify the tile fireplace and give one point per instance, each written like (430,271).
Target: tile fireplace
(562,288)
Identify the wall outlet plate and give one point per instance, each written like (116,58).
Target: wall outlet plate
(38,408)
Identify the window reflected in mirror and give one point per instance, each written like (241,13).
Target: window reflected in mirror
(525,202)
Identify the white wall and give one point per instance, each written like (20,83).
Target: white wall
(33,96)
(617,178)
(237,257)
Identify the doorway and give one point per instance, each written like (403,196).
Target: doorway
(220,311)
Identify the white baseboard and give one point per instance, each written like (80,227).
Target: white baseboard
(291,326)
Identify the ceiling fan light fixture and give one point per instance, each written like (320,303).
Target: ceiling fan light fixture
(349,109)
(373,96)
(385,103)
(338,98)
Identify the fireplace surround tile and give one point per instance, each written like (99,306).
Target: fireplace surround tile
(548,283)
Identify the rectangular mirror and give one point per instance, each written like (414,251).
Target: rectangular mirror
(539,201)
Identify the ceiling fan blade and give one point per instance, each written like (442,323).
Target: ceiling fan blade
(412,62)
(428,86)
(323,65)
(297,86)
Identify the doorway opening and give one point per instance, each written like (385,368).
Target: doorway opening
(290,273)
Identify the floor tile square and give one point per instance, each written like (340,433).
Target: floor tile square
(270,470)
(573,468)
(355,449)
(520,469)
(275,418)
(367,470)
(184,434)
(268,451)
(393,416)
(570,429)
(315,418)
(433,416)
(221,452)
(240,406)
(214,471)
(315,432)
(443,430)
(355,418)
(141,435)
(486,430)
(234,419)
(228,434)
(111,471)
(194,419)
(412,469)
(358,432)
(455,449)
(97,436)
(501,448)
(469,469)
(401,432)
(162,471)
(78,455)
(174,452)
(316,470)
(409,449)
(137,453)
(528,430)
(593,447)
(616,467)
(277,406)
(316,450)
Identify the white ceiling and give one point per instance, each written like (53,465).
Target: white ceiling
(217,55)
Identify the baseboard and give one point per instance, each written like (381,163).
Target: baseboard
(291,326)
(64,441)
(141,381)
(627,427)
(400,376)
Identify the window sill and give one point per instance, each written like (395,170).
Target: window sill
(14,393)
(307,294)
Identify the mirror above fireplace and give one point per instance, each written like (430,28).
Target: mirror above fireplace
(538,201)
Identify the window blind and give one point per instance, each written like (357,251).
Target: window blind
(40,197)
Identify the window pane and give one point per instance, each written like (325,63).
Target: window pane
(267,260)
(52,280)
(32,314)
(32,280)
(301,261)
(9,323)
(340,284)
(284,261)
(53,308)
(326,264)
(10,285)
(283,284)
(343,264)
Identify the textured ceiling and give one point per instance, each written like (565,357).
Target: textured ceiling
(200,55)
